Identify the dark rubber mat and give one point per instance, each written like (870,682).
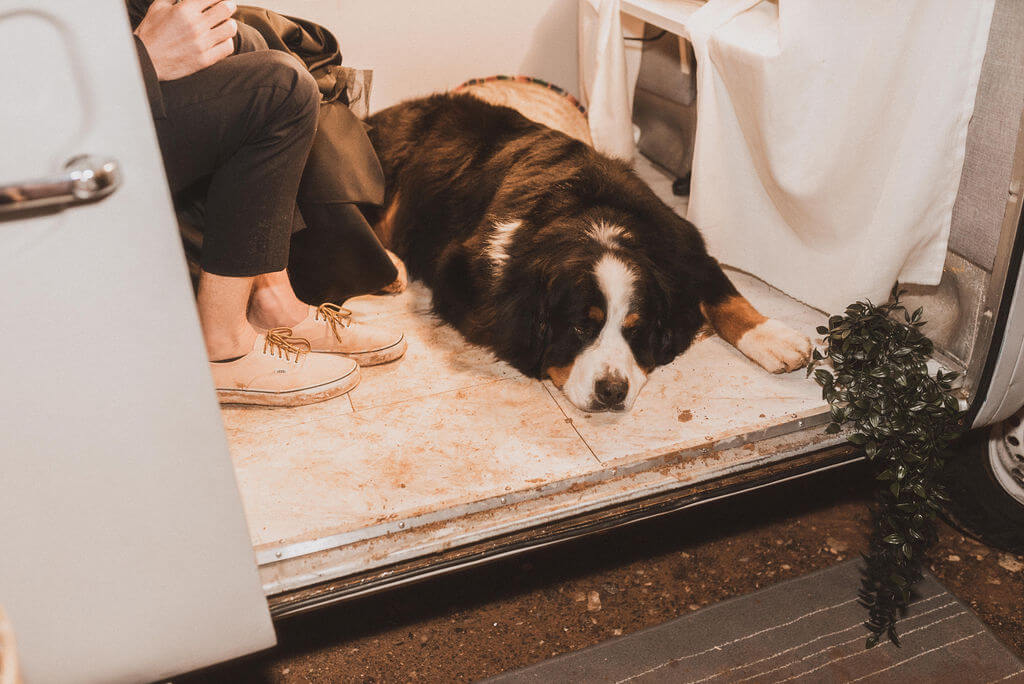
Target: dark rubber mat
(808,629)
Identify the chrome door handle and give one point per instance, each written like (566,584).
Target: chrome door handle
(87,178)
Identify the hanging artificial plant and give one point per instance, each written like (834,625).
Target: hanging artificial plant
(905,419)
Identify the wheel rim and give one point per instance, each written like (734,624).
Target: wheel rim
(1006,455)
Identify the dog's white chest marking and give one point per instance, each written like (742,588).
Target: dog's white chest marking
(498,242)
(609,356)
(607,235)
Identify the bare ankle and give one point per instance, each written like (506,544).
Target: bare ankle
(272,306)
(229,344)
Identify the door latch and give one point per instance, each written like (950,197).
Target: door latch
(86,178)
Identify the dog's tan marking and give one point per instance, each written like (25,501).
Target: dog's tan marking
(596,314)
(401,281)
(769,343)
(631,321)
(559,374)
(732,318)
(386,227)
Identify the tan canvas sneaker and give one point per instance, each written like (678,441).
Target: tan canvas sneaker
(282,371)
(330,328)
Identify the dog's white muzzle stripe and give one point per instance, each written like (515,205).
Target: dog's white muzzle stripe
(609,355)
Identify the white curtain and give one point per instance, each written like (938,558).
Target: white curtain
(604,78)
(830,138)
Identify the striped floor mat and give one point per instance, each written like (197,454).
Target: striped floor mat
(807,630)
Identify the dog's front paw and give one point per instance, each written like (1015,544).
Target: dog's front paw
(775,347)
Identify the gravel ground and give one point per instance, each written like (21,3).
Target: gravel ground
(515,612)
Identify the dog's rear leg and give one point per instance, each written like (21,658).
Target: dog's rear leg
(771,344)
(384,226)
(401,281)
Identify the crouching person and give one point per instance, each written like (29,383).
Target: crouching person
(229,110)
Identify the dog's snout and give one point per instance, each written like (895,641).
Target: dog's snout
(611,390)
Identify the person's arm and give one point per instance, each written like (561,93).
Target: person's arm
(184,37)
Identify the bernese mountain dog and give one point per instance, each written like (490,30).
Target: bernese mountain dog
(557,258)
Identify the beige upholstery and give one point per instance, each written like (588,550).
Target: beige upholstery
(991,139)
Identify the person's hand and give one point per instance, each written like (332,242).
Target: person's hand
(188,36)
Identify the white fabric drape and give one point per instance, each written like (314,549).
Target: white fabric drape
(603,77)
(830,137)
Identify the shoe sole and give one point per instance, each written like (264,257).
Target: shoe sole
(299,397)
(377,356)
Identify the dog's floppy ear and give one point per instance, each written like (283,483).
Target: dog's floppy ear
(676,296)
(520,322)
(663,342)
(666,333)
(540,333)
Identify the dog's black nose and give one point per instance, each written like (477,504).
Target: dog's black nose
(611,390)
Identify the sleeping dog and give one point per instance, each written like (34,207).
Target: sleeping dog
(557,258)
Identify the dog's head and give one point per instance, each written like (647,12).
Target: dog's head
(609,315)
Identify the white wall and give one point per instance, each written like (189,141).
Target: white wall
(420,47)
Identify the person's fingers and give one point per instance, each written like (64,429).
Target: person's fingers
(221,33)
(219,51)
(219,13)
(198,5)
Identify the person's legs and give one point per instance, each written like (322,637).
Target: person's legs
(222,302)
(273,302)
(247,123)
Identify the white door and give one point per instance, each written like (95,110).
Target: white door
(124,554)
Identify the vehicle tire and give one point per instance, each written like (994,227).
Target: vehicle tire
(985,482)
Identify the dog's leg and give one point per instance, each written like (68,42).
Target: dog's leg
(384,227)
(401,282)
(767,342)
(771,344)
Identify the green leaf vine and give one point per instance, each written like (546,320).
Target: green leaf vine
(905,420)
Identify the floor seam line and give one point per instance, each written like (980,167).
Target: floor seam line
(426,396)
(571,424)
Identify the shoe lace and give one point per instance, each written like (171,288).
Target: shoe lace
(281,342)
(335,316)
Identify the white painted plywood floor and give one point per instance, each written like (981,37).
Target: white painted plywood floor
(449,424)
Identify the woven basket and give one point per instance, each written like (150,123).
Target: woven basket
(536,100)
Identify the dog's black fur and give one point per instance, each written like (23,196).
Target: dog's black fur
(455,166)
